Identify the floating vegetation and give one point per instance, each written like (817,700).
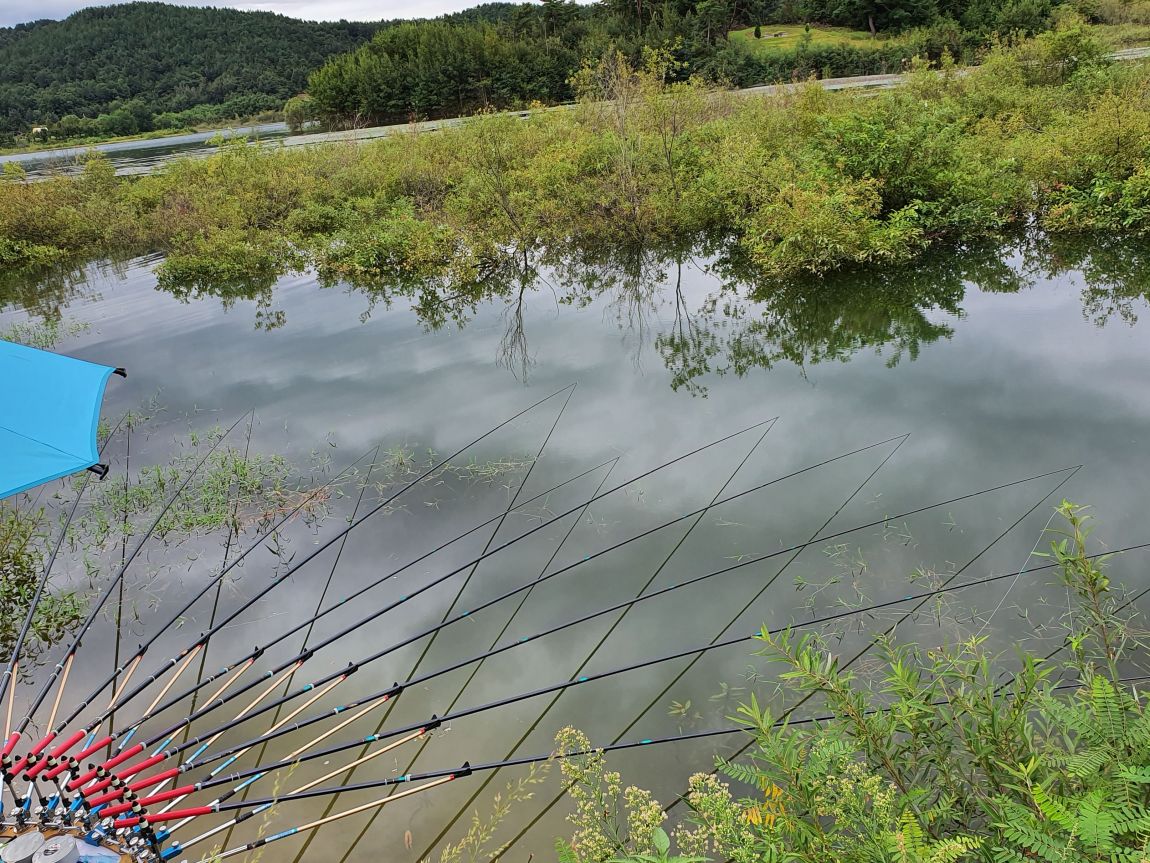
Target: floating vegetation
(43,334)
(23,535)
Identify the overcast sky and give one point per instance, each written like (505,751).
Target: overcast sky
(16,11)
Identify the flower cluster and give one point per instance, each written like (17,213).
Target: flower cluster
(720,829)
(644,815)
(856,795)
(609,821)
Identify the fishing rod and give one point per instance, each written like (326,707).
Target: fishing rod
(431,777)
(528,588)
(477,666)
(234,529)
(814,537)
(102,771)
(393,691)
(477,661)
(825,538)
(918,606)
(299,659)
(215,581)
(501,519)
(162,754)
(468,769)
(762,632)
(58,762)
(251,657)
(307,636)
(355,666)
(177,847)
(64,667)
(490,540)
(398,688)
(203,637)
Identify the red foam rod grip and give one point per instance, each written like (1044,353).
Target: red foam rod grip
(96,788)
(68,744)
(101,799)
(112,811)
(36,750)
(95,746)
(126,822)
(171,794)
(58,769)
(130,752)
(142,766)
(141,784)
(135,786)
(116,809)
(13,739)
(57,752)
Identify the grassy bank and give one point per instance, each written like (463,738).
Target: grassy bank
(775,39)
(1046,132)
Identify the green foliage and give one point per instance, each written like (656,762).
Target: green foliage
(807,182)
(934,754)
(435,68)
(300,111)
(232,490)
(23,535)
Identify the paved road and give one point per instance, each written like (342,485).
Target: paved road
(137,157)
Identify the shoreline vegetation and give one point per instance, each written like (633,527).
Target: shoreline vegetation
(1046,133)
(935,754)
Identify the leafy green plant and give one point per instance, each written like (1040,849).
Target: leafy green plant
(23,534)
(935,756)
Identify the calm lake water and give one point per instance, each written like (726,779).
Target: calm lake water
(1000,363)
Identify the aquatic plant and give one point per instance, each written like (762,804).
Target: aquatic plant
(42,334)
(23,533)
(935,755)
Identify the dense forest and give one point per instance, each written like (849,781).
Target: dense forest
(119,70)
(506,55)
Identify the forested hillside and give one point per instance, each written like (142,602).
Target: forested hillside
(506,55)
(144,65)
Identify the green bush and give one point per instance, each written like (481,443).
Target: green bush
(805,181)
(935,756)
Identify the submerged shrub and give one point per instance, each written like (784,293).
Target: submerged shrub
(805,182)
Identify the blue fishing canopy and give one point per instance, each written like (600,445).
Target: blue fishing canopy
(49,411)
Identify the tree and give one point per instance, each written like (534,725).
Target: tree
(300,111)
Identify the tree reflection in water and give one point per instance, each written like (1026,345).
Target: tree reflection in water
(700,306)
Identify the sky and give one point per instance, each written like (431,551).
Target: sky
(16,11)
